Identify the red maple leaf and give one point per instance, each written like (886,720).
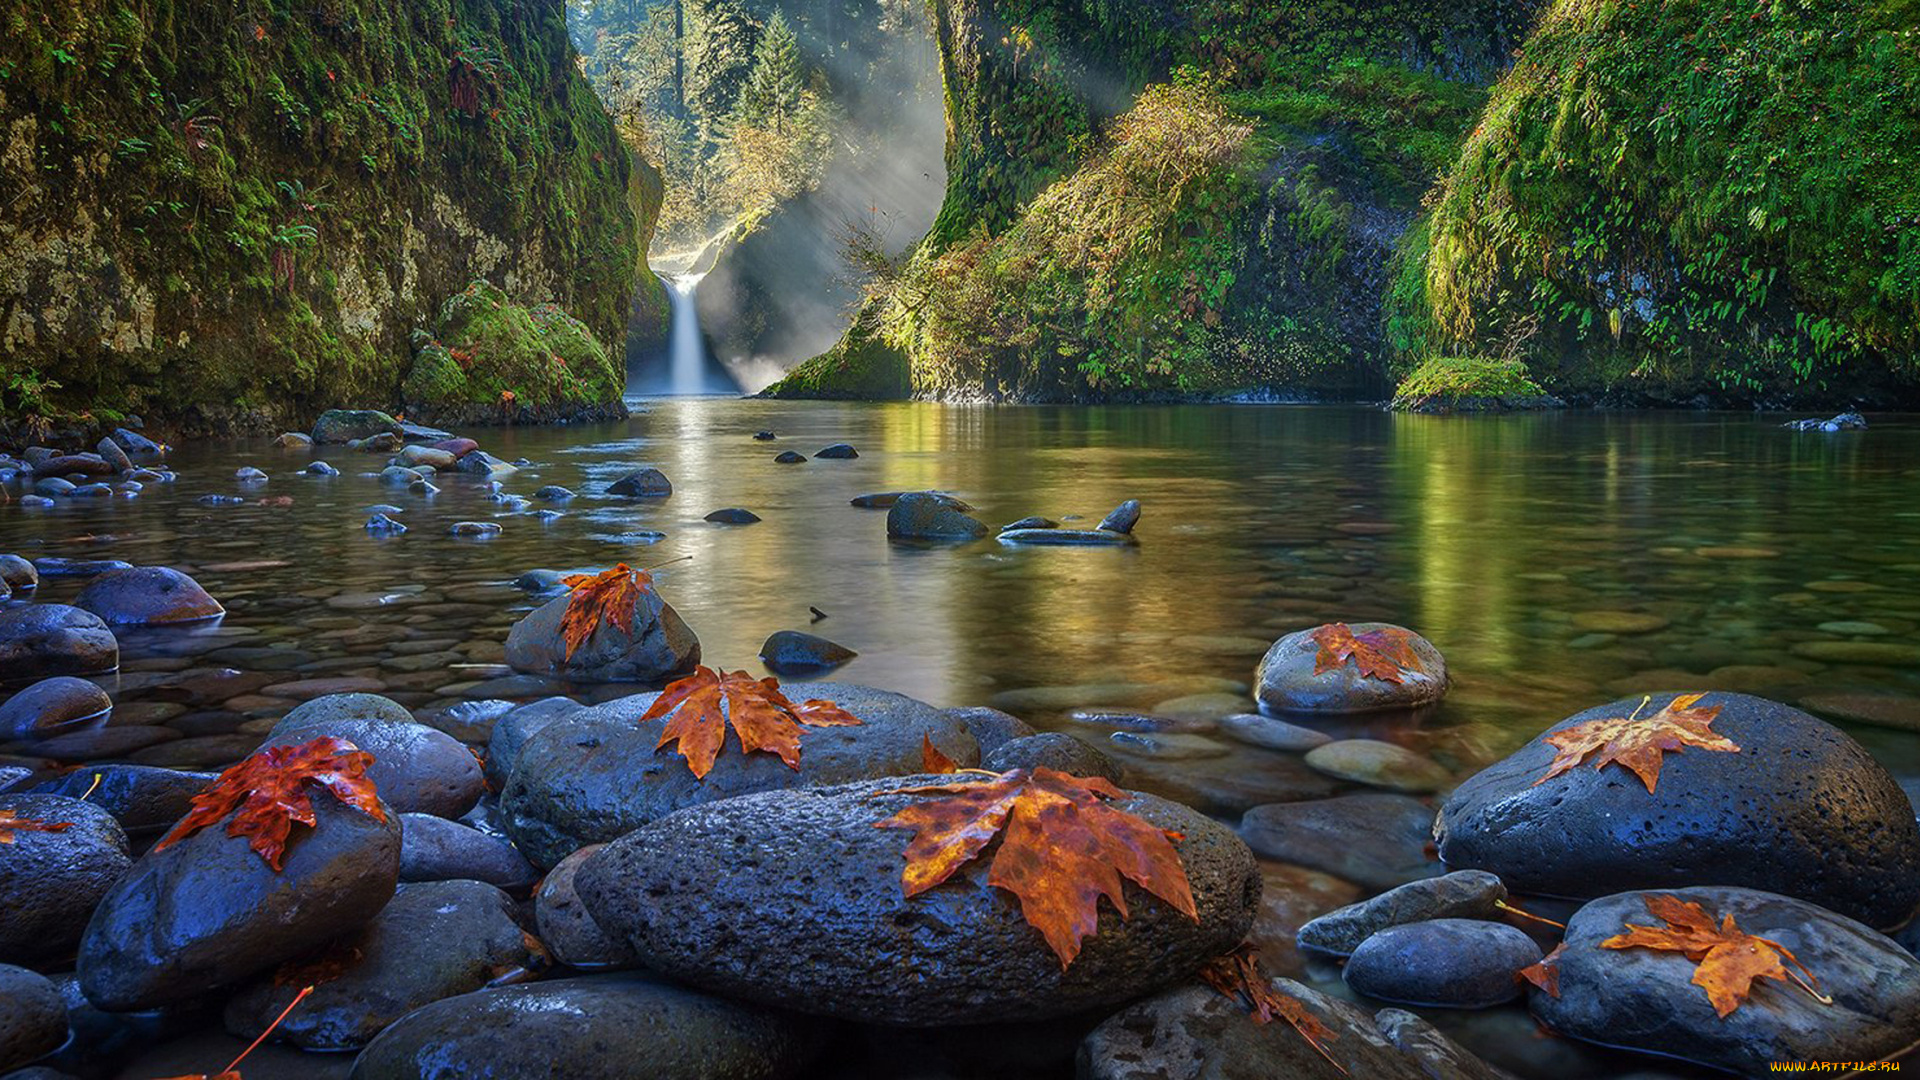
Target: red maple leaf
(607,597)
(1385,654)
(761,716)
(11,823)
(271,790)
(1238,976)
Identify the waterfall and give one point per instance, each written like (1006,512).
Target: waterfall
(686,349)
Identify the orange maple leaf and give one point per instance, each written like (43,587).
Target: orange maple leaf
(268,792)
(1546,973)
(1635,743)
(607,597)
(1237,975)
(1385,654)
(11,823)
(1064,848)
(762,717)
(1729,959)
(932,760)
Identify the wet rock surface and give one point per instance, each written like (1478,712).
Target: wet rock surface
(794,897)
(435,849)
(923,515)
(1449,963)
(1463,894)
(1373,839)
(1646,1000)
(1800,809)
(596,1027)
(567,928)
(416,769)
(792,652)
(53,707)
(1287,681)
(33,1018)
(51,881)
(1052,750)
(142,798)
(599,774)
(40,640)
(659,647)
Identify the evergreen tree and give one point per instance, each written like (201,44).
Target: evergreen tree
(771,98)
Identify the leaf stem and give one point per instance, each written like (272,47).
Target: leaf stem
(1512,910)
(297,999)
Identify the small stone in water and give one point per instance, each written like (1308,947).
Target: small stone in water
(838,451)
(789,457)
(381,523)
(247,474)
(474,528)
(547,517)
(221,500)
(386,508)
(320,468)
(553,493)
(423,487)
(35,501)
(1030,523)
(733,516)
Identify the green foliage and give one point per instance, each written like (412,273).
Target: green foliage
(1693,192)
(1457,381)
(492,351)
(771,97)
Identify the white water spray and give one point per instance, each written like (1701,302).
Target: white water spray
(686,348)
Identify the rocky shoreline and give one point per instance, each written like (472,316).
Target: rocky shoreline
(462,885)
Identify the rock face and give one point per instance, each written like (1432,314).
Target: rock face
(565,926)
(53,707)
(790,652)
(148,596)
(642,484)
(511,732)
(435,849)
(660,646)
(39,640)
(33,1018)
(209,912)
(416,769)
(1372,839)
(599,1027)
(597,775)
(1464,894)
(794,897)
(1198,1033)
(432,941)
(1801,809)
(1447,963)
(1645,1000)
(923,515)
(1286,681)
(51,881)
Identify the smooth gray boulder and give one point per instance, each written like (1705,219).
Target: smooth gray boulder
(659,647)
(1286,679)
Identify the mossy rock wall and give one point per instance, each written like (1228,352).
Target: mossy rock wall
(1692,200)
(235,214)
(1355,110)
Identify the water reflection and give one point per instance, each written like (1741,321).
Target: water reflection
(1559,560)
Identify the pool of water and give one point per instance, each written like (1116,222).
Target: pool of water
(1514,543)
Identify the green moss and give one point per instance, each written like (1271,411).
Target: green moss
(862,367)
(1452,382)
(490,351)
(1692,194)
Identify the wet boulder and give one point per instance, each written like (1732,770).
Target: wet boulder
(923,515)
(595,1027)
(435,849)
(346,425)
(19,573)
(565,926)
(432,941)
(110,452)
(646,483)
(1801,809)
(75,465)
(733,515)
(1443,963)
(1286,679)
(1198,1033)
(33,1017)
(659,647)
(148,596)
(1463,894)
(51,707)
(1123,518)
(990,727)
(794,897)
(209,912)
(1646,1000)
(39,640)
(790,652)
(1052,750)
(481,463)
(137,445)
(50,881)
(1371,838)
(599,774)
(416,769)
(837,452)
(350,706)
(512,731)
(142,798)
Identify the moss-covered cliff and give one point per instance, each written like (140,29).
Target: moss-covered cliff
(1069,261)
(224,212)
(1690,197)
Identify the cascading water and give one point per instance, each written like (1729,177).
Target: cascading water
(686,348)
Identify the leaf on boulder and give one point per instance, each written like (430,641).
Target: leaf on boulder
(1238,975)
(607,597)
(761,716)
(1638,743)
(932,760)
(1385,654)
(270,791)
(1728,958)
(1546,973)
(1063,848)
(11,823)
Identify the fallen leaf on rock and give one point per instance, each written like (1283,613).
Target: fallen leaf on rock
(1238,976)
(1638,743)
(1385,654)
(1728,958)
(761,716)
(607,597)
(1064,848)
(11,823)
(1546,973)
(269,791)
(932,760)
